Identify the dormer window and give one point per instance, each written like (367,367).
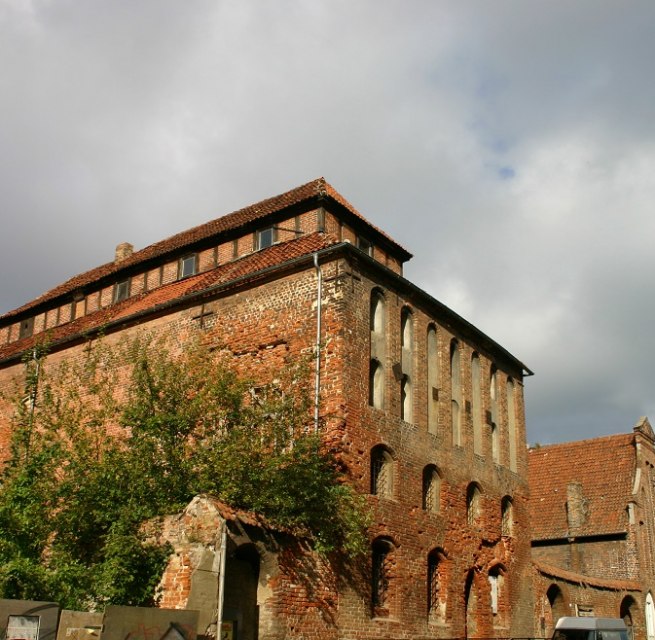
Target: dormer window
(187,266)
(364,245)
(265,237)
(122,290)
(26,328)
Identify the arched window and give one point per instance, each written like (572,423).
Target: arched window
(436,599)
(511,424)
(476,403)
(431,489)
(381,472)
(473,503)
(627,612)
(433,380)
(407,363)
(507,516)
(650,617)
(381,556)
(455,393)
(377,350)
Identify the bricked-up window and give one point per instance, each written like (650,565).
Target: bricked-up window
(473,503)
(26,328)
(188,266)
(381,472)
(266,237)
(376,384)
(436,602)
(433,380)
(122,290)
(377,350)
(511,425)
(507,516)
(431,489)
(407,364)
(476,403)
(493,413)
(455,393)
(381,573)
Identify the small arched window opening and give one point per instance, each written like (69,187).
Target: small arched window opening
(381,472)
(627,612)
(507,516)
(473,503)
(493,413)
(435,588)
(381,575)
(406,399)
(455,393)
(431,489)
(511,425)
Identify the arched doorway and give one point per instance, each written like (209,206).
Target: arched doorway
(627,611)
(650,617)
(240,593)
(470,606)
(555,609)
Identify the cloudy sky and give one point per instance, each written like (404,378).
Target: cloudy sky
(510,146)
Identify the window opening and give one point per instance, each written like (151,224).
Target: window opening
(265,237)
(187,266)
(380,576)
(122,290)
(473,499)
(26,328)
(431,489)
(364,245)
(381,472)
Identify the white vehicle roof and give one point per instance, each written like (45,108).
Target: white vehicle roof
(590,623)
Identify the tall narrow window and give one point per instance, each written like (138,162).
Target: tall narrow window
(436,608)
(431,489)
(473,503)
(476,408)
(455,393)
(511,425)
(507,516)
(433,380)
(407,363)
(381,576)
(495,588)
(377,350)
(381,472)
(493,413)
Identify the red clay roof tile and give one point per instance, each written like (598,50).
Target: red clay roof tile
(230,222)
(603,467)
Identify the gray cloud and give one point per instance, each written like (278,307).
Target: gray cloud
(510,146)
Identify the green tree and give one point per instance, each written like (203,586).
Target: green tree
(108,441)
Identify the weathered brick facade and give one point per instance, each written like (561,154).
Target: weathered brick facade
(426,411)
(593,524)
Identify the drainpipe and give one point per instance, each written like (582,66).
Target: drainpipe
(221,580)
(319,295)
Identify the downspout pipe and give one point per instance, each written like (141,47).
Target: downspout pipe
(317,346)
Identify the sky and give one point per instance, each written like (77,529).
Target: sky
(509,145)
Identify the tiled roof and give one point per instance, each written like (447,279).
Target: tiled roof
(222,275)
(604,469)
(577,578)
(318,188)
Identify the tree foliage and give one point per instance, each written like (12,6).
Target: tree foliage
(109,441)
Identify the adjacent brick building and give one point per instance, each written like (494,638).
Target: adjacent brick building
(593,526)
(427,411)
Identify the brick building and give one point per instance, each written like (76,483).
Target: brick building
(427,410)
(593,526)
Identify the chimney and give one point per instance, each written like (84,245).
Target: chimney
(123,250)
